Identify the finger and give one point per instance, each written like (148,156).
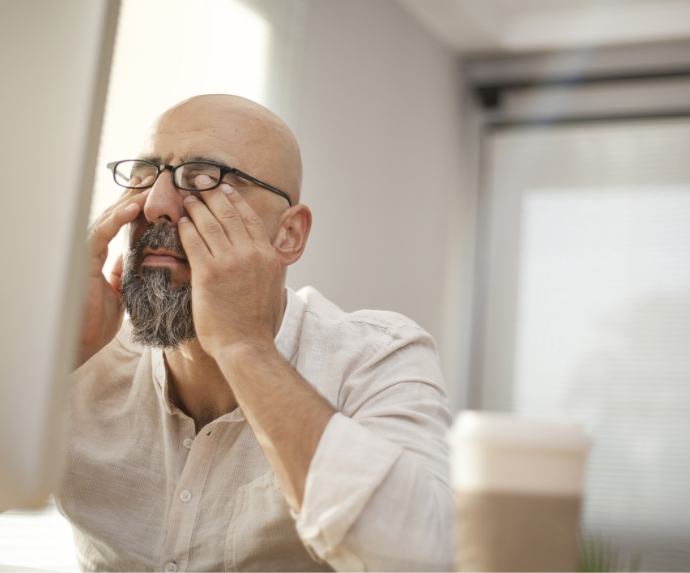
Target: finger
(193,243)
(107,226)
(138,181)
(227,215)
(121,201)
(207,226)
(115,278)
(253,224)
(127,194)
(125,197)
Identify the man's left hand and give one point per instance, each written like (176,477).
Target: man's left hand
(236,279)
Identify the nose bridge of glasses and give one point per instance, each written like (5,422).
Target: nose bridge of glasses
(165,167)
(160,169)
(153,180)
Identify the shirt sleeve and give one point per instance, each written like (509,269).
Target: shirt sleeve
(377,494)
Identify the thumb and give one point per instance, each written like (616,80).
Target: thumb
(115,278)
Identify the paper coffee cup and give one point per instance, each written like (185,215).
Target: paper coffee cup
(518,487)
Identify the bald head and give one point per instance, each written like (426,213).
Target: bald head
(236,130)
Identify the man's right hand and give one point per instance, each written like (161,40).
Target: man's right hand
(103,308)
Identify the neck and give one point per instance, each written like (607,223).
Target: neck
(196,384)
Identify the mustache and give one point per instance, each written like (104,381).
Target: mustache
(157,236)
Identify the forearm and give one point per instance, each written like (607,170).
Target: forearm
(285,412)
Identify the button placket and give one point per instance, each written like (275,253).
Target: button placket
(184,510)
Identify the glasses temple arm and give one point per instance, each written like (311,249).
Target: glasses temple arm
(260,183)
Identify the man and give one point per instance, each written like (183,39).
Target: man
(231,423)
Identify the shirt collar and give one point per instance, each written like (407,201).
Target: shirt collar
(288,334)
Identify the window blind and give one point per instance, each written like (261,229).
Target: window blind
(586,314)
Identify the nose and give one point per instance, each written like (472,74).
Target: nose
(164,202)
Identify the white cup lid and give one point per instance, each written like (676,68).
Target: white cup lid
(508,429)
(503,452)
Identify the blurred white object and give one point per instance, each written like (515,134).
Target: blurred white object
(54,59)
(501,452)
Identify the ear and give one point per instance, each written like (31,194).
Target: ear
(293,232)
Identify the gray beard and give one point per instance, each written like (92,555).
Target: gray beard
(160,313)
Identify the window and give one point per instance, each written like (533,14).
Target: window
(168,50)
(586,313)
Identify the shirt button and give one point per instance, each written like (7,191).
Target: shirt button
(188,443)
(171,567)
(185,495)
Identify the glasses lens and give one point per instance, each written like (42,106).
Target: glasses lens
(197,176)
(135,174)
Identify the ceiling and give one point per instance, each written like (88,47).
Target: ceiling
(519,26)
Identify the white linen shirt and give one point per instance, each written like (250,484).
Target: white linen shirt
(145,492)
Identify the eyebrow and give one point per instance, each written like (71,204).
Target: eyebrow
(205,158)
(157,159)
(152,158)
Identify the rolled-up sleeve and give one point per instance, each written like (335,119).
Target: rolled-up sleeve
(377,495)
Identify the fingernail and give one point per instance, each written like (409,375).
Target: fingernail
(184,219)
(203,179)
(190,199)
(225,188)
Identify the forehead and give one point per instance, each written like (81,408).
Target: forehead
(179,137)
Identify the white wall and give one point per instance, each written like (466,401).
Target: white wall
(376,105)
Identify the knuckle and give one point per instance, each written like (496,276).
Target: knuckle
(204,274)
(97,231)
(228,215)
(213,273)
(104,216)
(212,228)
(253,218)
(254,256)
(227,259)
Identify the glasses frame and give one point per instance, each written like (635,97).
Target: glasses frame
(224,170)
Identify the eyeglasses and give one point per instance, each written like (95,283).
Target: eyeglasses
(184,175)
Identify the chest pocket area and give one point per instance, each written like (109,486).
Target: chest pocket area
(262,535)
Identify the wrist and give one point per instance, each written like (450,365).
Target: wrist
(246,351)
